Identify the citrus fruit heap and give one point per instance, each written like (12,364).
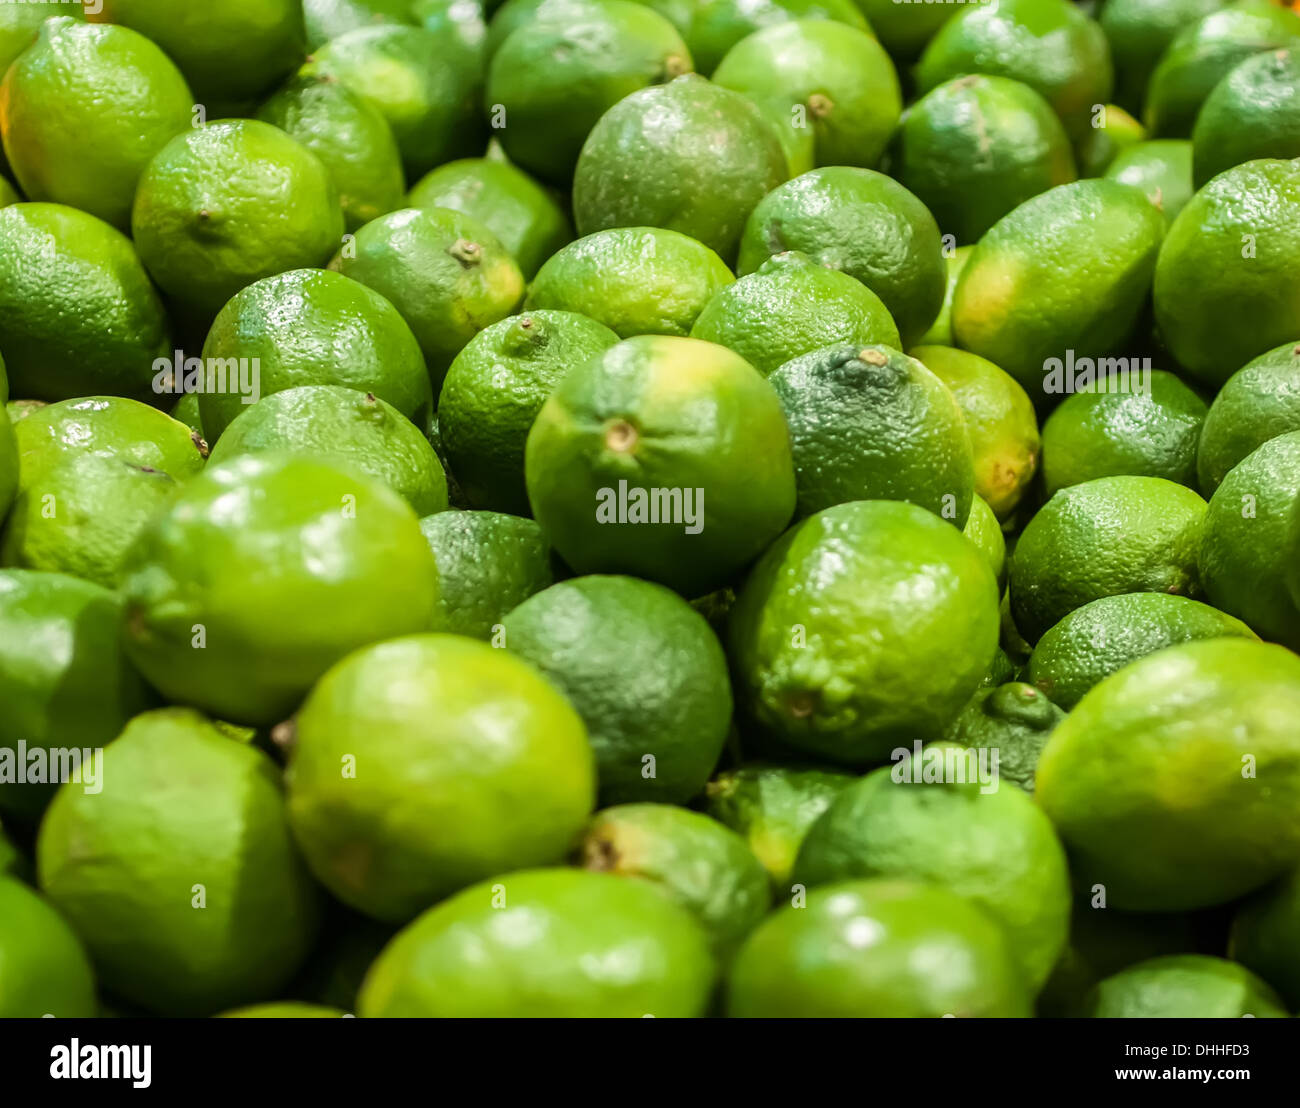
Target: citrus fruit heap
(570,508)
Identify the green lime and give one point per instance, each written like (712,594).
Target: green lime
(884,947)
(1002,670)
(867,625)
(1000,422)
(61,143)
(222,916)
(1106,634)
(1257,403)
(488,564)
(45,970)
(556,75)
(8,193)
(1183,985)
(869,423)
(65,681)
(327,19)
(1191,752)
(284,1009)
(262,573)
(1013,719)
(702,157)
(19,25)
(983,529)
(426,83)
(1010,640)
(526,217)
(635,280)
(792,306)
(229,52)
(715,26)
(445,272)
(1244,552)
(1205,52)
(964,833)
(513,14)
(553,943)
(664,457)
(705,867)
(349,426)
(839,77)
(861,223)
(1060,279)
(8,465)
(81,514)
(494,390)
(308,327)
(1103,942)
(111,426)
(1139,32)
(1148,432)
(350,137)
(772,807)
(222,206)
(940,332)
(1050,45)
(77,312)
(645,672)
(186,411)
(1113,131)
(1263,936)
(1106,536)
(466,763)
(1254,112)
(1222,291)
(975,147)
(1161,168)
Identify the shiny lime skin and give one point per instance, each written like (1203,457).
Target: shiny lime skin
(313,327)
(1106,634)
(986,842)
(1066,271)
(546,943)
(975,147)
(870,423)
(703,157)
(78,314)
(488,564)
(425,81)
(222,206)
(715,26)
(772,807)
(522,213)
(1254,112)
(644,671)
(350,137)
(493,391)
(63,146)
(1161,168)
(467,763)
(265,571)
(705,867)
(1183,986)
(1106,536)
(884,947)
(1191,751)
(790,306)
(1245,556)
(861,223)
(352,427)
(1139,31)
(661,413)
(827,658)
(180,876)
(1257,403)
(1220,295)
(65,680)
(43,969)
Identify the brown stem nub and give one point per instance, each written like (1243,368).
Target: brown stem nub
(466,252)
(621,436)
